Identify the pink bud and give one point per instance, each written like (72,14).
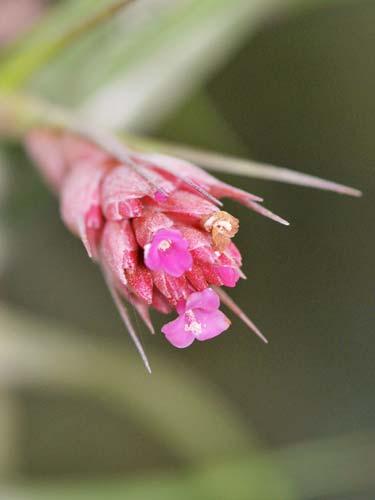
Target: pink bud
(153,225)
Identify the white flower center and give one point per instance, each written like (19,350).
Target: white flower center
(164,245)
(192,325)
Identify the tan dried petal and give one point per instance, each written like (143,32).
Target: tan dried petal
(222,226)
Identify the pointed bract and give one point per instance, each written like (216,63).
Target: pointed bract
(80,203)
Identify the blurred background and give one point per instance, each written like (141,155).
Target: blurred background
(287,83)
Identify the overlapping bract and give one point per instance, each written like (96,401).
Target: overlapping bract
(154,224)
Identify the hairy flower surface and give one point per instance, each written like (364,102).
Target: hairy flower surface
(155,225)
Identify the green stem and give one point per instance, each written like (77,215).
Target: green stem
(17,70)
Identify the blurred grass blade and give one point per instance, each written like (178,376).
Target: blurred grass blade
(10,432)
(4,236)
(243,479)
(64,25)
(247,168)
(324,468)
(170,58)
(328,467)
(142,59)
(175,404)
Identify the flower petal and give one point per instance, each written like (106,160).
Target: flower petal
(168,252)
(208,300)
(228,275)
(212,324)
(176,333)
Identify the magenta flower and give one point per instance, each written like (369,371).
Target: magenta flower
(155,226)
(199,318)
(168,252)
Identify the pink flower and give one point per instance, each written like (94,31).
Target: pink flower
(199,319)
(168,252)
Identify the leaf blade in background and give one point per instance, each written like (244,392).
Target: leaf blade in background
(313,469)
(150,58)
(47,36)
(38,352)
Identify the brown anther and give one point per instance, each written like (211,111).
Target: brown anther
(222,226)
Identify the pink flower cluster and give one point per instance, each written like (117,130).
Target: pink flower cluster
(155,226)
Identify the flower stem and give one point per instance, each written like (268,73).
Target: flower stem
(17,69)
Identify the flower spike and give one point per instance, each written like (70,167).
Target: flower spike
(154,225)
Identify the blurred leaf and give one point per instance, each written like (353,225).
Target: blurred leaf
(316,469)
(133,71)
(20,65)
(4,187)
(331,466)
(184,412)
(211,131)
(241,480)
(10,436)
(149,76)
